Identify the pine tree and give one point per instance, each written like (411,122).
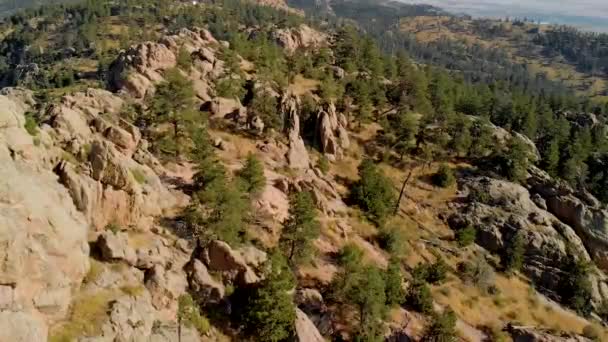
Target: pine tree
(300,229)
(270,310)
(173,102)
(252,175)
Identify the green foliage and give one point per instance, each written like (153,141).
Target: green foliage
(323,164)
(231,87)
(300,229)
(139,176)
(466,236)
(478,273)
(364,287)
(514,162)
(392,239)
(514,254)
(419,297)
(575,286)
(433,273)
(395,294)
(444,176)
(252,175)
(374,192)
(184,59)
(31,125)
(173,103)
(350,256)
(270,311)
(443,328)
(188,313)
(265,106)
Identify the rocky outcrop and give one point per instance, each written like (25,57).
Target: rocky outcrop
(43,237)
(301,37)
(580,210)
(508,210)
(235,265)
(137,70)
(115,246)
(297,156)
(332,134)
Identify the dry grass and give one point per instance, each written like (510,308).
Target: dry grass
(301,85)
(87,315)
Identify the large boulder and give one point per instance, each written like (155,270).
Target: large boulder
(218,256)
(115,247)
(205,287)
(17,326)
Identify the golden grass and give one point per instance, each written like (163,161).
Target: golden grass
(87,315)
(517,302)
(301,85)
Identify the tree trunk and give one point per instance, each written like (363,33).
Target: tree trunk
(179,330)
(402,191)
(176,135)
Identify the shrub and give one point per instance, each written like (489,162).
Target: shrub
(188,314)
(350,255)
(392,240)
(395,295)
(478,273)
(466,236)
(479,196)
(444,176)
(434,273)
(139,176)
(323,164)
(31,126)
(374,192)
(514,254)
(443,328)
(419,297)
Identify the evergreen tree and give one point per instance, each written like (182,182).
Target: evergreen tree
(374,192)
(300,229)
(395,295)
(270,311)
(252,175)
(173,102)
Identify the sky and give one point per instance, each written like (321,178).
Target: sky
(585,14)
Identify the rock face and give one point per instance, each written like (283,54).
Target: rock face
(137,70)
(44,253)
(332,134)
(292,39)
(305,329)
(581,211)
(508,210)
(241,267)
(297,156)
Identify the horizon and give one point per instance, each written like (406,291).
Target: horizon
(589,15)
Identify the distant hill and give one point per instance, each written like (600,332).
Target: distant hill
(8,7)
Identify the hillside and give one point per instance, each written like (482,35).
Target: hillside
(231,171)
(521,42)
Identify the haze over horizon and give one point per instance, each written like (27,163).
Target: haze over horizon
(584,14)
